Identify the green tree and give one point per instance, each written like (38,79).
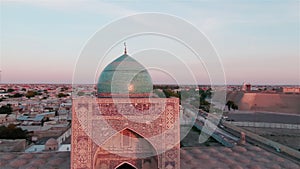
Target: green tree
(231,105)
(12,132)
(30,93)
(6,109)
(169,93)
(159,93)
(235,107)
(62,95)
(17,95)
(10,90)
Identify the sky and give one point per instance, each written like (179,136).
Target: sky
(257,41)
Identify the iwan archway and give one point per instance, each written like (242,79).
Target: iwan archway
(126,150)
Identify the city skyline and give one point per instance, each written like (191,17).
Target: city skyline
(255,42)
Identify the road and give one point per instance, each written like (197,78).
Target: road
(217,129)
(265,117)
(218,133)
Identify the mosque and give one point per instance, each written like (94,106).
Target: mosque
(125,126)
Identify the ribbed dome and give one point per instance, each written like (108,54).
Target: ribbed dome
(124,77)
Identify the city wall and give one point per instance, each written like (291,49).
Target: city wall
(271,102)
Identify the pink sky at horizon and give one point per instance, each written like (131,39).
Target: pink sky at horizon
(40,42)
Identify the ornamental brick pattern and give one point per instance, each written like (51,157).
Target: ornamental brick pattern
(142,132)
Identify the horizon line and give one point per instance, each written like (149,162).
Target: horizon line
(204,84)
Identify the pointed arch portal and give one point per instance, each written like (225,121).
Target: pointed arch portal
(125,148)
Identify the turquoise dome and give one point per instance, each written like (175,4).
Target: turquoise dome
(124,77)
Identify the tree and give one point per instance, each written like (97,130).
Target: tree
(12,132)
(6,109)
(45,97)
(80,93)
(169,93)
(231,105)
(62,95)
(30,94)
(208,93)
(235,107)
(10,90)
(159,93)
(17,95)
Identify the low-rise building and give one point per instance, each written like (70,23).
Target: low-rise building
(291,89)
(3,118)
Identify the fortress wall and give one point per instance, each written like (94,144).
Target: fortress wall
(247,101)
(289,103)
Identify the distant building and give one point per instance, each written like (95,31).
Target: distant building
(246,87)
(51,145)
(37,120)
(4,94)
(3,118)
(291,89)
